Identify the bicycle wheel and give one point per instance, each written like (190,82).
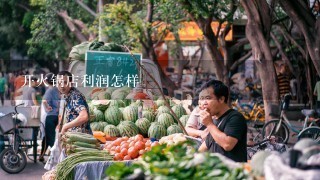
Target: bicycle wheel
(310,132)
(11,162)
(281,133)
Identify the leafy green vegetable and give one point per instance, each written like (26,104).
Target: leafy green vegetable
(177,162)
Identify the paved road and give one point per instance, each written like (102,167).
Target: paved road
(33,171)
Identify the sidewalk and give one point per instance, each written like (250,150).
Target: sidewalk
(33,171)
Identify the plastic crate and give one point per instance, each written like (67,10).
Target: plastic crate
(6,123)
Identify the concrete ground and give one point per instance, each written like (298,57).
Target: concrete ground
(33,171)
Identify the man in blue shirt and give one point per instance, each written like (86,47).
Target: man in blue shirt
(77,110)
(51,102)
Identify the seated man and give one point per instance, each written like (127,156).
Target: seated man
(194,127)
(228,133)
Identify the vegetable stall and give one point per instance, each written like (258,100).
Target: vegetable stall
(141,136)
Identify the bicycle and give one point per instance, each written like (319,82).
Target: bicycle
(255,117)
(279,128)
(12,159)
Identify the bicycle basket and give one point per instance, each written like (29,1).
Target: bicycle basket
(6,123)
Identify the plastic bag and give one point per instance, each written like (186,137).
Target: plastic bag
(276,169)
(54,155)
(43,120)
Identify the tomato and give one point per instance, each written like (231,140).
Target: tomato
(138,137)
(141,152)
(125,145)
(148,143)
(123,142)
(118,149)
(109,146)
(127,157)
(155,143)
(117,142)
(118,157)
(133,152)
(125,138)
(112,152)
(113,148)
(124,151)
(131,144)
(139,145)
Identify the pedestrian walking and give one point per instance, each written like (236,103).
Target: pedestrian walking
(3,88)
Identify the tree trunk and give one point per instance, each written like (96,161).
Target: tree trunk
(166,81)
(308,25)
(257,31)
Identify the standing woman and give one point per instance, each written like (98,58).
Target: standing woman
(51,101)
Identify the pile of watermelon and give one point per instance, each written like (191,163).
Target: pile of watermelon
(118,117)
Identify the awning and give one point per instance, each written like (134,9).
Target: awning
(190,31)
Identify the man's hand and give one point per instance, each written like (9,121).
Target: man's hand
(205,117)
(204,133)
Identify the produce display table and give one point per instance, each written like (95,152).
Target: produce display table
(94,169)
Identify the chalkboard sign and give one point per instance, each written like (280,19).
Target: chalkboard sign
(111,69)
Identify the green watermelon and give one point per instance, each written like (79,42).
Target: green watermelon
(160,102)
(143,124)
(113,115)
(98,115)
(130,113)
(119,94)
(163,109)
(173,129)
(166,120)
(119,103)
(95,126)
(102,95)
(102,105)
(102,125)
(184,119)
(179,110)
(157,131)
(148,115)
(111,89)
(111,130)
(128,128)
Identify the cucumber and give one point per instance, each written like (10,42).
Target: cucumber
(77,138)
(86,145)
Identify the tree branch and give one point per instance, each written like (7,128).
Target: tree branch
(239,44)
(240,61)
(71,26)
(293,41)
(84,6)
(23,6)
(283,54)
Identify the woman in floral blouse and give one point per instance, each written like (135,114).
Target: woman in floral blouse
(77,110)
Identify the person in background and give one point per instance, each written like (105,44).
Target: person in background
(228,133)
(19,83)
(284,86)
(194,127)
(29,93)
(51,102)
(11,87)
(316,92)
(77,110)
(3,88)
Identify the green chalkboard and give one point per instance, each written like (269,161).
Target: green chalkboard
(111,69)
